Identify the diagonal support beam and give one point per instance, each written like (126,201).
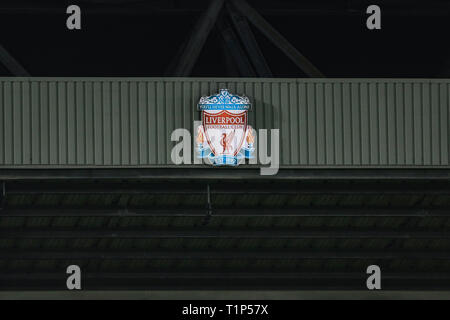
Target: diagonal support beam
(273,35)
(234,48)
(249,41)
(12,64)
(197,39)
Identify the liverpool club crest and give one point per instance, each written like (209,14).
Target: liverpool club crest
(224,136)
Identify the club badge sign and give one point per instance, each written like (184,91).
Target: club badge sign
(224,137)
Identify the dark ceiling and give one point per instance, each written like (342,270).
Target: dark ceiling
(141,38)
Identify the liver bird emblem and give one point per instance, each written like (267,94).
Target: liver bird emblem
(225,142)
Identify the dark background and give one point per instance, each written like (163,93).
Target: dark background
(199,229)
(140,38)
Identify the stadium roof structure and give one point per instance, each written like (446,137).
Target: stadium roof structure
(71,194)
(247,38)
(226,234)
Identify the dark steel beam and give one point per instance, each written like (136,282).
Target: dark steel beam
(281,42)
(12,64)
(205,233)
(250,44)
(267,8)
(197,39)
(223,279)
(227,174)
(229,212)
(234,48)
(244,188)
(75,255)
(436,292)
(225,275)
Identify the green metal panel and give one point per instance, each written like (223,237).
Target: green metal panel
(128,121)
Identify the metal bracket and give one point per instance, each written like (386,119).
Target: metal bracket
(209,210)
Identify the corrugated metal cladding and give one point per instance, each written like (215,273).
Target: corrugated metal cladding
(122,122)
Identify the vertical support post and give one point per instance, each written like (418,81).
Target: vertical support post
(208,206)
(208,191)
